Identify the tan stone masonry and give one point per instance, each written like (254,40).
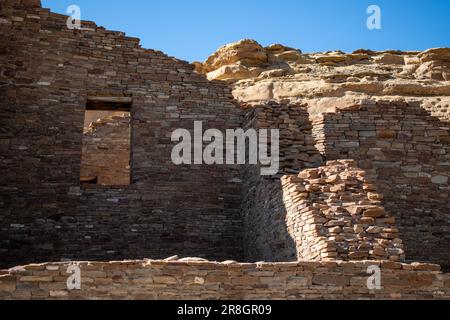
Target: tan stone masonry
(198,279)
(335,212)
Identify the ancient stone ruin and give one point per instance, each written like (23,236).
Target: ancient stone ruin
(86,170)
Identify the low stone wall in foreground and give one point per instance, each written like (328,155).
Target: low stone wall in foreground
(198,279)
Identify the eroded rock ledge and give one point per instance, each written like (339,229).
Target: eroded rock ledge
(277,72)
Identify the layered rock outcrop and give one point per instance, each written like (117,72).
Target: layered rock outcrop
(330,79)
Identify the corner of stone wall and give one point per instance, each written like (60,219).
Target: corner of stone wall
(267,234)
(407,146)
(334,213)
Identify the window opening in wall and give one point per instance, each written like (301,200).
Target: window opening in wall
(106,154)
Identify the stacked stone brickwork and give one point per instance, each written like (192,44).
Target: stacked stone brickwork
(106,151)
(264,213)
(438,108)
(266,237)
(334,212)
(412,173)
(297,146)
(47,75)
(390,197)
(408,150)
(190,280)
(21,3)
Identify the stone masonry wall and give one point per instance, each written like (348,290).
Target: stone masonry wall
(343,210)
(334,213)
(193,279)
(21,3)
(408,150)
(266,236)
(297,145)
(106,151)
(330,212)
(266,232)
(47,74)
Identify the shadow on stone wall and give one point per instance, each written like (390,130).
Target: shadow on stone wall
(408,150)
(268,235)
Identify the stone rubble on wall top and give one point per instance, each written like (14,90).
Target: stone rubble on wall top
(145,279)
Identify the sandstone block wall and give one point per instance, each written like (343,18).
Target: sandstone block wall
(47,74)
(439,108)
(266,236)
(408,150)
(401,148)
(297,145)
(264,213)
(228,280)
(21,3)
(334,212)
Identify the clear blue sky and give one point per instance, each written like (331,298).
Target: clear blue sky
(193,29)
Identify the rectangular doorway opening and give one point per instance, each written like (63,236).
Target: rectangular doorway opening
(106,154)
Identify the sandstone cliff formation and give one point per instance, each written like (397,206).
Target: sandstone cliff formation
(333,79)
